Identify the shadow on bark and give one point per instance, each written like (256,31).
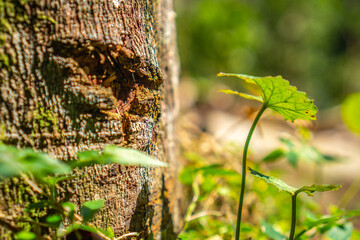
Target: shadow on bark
(167,225)
(143,213)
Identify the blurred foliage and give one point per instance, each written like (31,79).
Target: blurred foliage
(316,44)
(350,110)
(300,150)
(47,216)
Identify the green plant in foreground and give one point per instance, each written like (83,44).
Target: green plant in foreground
(278,95)
(282,186)
(42,173)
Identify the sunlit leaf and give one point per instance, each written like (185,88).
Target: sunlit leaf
(309,190)
(282,186)
(278,95)
(128,156)
(90,208)
(243,95)
(119,155)
(279,184)
(54,220)
(25,235)
(87,158)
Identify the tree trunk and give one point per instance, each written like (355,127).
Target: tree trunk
(80,74)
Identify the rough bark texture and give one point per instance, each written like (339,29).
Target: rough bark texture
(80,74)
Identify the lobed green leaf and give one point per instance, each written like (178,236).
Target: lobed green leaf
(279,184)
(278,95)
(309,190)
(282,186)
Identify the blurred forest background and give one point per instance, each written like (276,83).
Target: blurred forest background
(313,44)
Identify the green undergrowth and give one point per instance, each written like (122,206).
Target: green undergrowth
(213,186)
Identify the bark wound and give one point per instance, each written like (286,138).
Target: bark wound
(112,80)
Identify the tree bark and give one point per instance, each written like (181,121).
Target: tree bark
(79,74)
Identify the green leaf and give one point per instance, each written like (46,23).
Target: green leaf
(54,220)
(52,181)
(243,95)
(304,151)
(278,95)
(87,228)
(9,167)
(279,184)
(24,235)
(309,190)
(87,158)
(292,158)
(350,112)
(282,186)
(128,156)
(274,155)
(326,222)
(341,232)
(119,155)
(271,232)
(90,208)
(13,161)
(41,164)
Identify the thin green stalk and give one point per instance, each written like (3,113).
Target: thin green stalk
(243,178)
(293,217)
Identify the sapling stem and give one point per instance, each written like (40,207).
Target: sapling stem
(243,177)
(293,216)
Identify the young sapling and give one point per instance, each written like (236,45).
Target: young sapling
(282,186)
(276,94)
